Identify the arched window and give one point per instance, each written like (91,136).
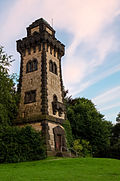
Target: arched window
(55,98)
(55,68)
(51,66)
(35,63)
(54,104)
(31,65)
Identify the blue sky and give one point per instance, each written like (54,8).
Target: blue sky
(89,29)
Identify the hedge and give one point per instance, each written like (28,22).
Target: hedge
(21,144)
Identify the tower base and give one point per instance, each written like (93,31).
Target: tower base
(52,131)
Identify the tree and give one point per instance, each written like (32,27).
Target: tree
(88,124)
(115,134)
(8,95)
(16,144)
(118,118)
(114,151)
(116,131)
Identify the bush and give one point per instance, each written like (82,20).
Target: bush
(82,148)
(21,144)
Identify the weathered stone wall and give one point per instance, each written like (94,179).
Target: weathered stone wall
(31,81)
(53,84)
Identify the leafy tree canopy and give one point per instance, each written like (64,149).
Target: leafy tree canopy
(118,118)
(8,95)
(87,123)
(116,132)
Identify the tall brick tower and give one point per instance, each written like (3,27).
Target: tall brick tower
(40,85)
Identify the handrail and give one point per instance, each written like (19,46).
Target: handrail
(76,154)
(69,150)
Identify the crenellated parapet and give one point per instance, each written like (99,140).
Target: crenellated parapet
(40,35)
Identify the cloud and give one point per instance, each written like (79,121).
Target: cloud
(108,107)
(107,96)
(17,18)
(77,68)
(83,18)
(78,88)
(92,26)
(108,103)
(87,20)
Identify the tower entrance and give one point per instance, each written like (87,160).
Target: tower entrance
(59,137)
(58,143)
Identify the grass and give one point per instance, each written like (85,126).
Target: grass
(62,169)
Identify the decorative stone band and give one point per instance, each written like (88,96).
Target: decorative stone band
(38,119)
(36,39)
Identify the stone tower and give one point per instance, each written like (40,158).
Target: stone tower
(40,85)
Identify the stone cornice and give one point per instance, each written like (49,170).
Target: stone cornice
(36,39)
(38,119)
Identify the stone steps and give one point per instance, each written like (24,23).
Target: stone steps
(61,154)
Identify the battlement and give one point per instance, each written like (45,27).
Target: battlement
(40,34)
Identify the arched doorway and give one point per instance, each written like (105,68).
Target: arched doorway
(59,137)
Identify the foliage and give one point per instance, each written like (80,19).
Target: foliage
(8,98)
(5,61)
(114,151)
(82,147)
(118,118)
(115,133)
(68,131)
(20,144)
(8,94)
(88,124)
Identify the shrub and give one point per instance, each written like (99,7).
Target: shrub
(82,148)
(21,144)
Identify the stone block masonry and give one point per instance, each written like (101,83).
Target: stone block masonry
(40,84)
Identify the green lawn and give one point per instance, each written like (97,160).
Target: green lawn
(62,169)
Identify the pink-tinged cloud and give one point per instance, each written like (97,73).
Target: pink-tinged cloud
(86,20)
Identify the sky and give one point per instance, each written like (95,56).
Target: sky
(90,31)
